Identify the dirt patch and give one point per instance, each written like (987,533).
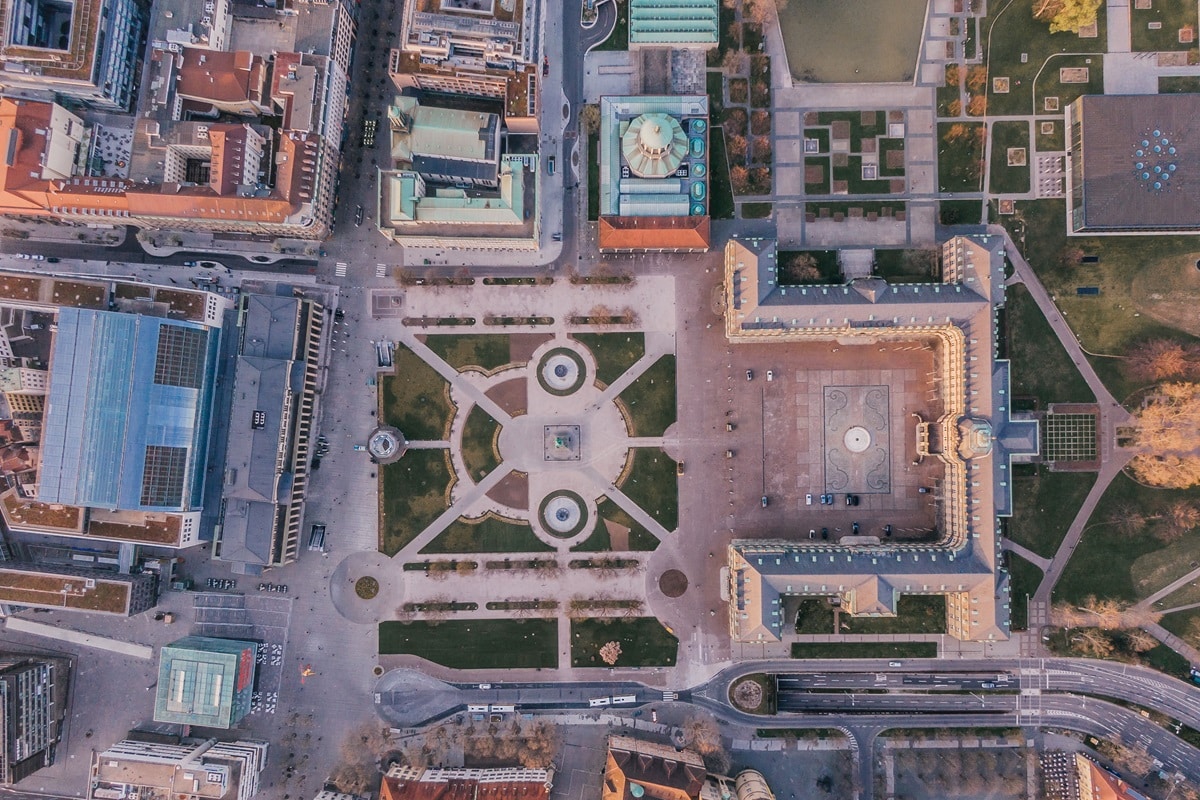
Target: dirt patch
(1169,291)
(673,583)
(512,490)
(522,345)
(511,395)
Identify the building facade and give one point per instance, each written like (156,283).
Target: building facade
(180,768)
(33,705)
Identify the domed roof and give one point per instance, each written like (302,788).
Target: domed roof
(654,145)
(975,438)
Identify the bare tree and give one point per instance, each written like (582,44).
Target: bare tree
(1094,642)
(1140,641)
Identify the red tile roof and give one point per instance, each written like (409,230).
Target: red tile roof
(232,81)
(655,233)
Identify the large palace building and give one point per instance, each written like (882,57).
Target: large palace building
(962,435)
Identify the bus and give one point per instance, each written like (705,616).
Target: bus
(600,701)
(624,698)
(502,709)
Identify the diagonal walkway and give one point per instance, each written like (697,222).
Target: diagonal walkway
(1168,589)
(1024,552)
(1172,641)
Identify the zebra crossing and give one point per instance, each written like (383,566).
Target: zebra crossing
(340,270)
(381,270)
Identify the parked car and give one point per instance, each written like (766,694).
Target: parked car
(851,499)
(358,217)
(53,260)
(824,533)
(808,499)
(770,374)
(764,501)
(749,374)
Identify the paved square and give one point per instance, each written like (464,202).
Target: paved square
(857,441)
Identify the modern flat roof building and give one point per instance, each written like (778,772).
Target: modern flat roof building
(270,426)
(74,589)
(205,681)
(673,23)
(127,416)
(33,705)
(87,50)
(1134,164)
(654,174)
(183,769)
(972,439)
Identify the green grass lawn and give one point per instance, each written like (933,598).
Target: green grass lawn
(822,186)
(600,540)
(490,535)
(1184,625)
(652,483)
(1044,505)
(864,650)
(650,399)
(914,614)
(1006,179)
(475,643)
(1049,142)
(858,129)
(1138,276)
(1104,561)
(907,266)
(756,210)
(1183,596)
(886,146)
(415,491)
(813,615)
(614,352)
(486,351)
(415,399)
(593,177)
(1049,85)
(720,190)
(826,264)
(644,642)
(946,96)
(960,212)
(479,451)
(1025,580)
(959,160)
(1171,15)
(619,38)
(1178,84)
(1012,35)
(822,137)
(1164,566)
(1041,367)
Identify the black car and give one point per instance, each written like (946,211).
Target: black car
(887,530)
(854,528)
(358,216)
(851,499)
(824,533)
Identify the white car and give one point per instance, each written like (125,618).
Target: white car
(38,257)
(807,497)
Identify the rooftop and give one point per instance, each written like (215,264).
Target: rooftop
(673,22)
(205,681)
(31,586)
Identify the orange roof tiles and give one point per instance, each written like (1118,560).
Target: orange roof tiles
(655,233)
(399,788)
(228,80)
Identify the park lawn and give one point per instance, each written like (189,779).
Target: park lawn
(593,178)
(475,643)
(615,353)
(1160,568)
(619,38)
(415,491)
(886,146)
(1041,367)
(1006,179)
(483,351)
(650,399)
(858,130)
(479,451)
(822,137)
(1103,560)
(720,188)
(1178,84)
(1185,625)
(1025,579)
(1183,596)
(960,212)
(1049,142)
(653,484)
(822,186)
(1009,32)
(814,615)
(415,399)
(600,540)
(644,642)
(864,650)
(1171,15)
(491,534)
(1049,85)
(946,96)
(959,161)
(1129,267)
(756,210)
(914,614)
(1044,505)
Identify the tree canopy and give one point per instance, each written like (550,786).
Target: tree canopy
(1067,15)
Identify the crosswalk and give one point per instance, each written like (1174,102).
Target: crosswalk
(670,697)
(381,270)
(340,270)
